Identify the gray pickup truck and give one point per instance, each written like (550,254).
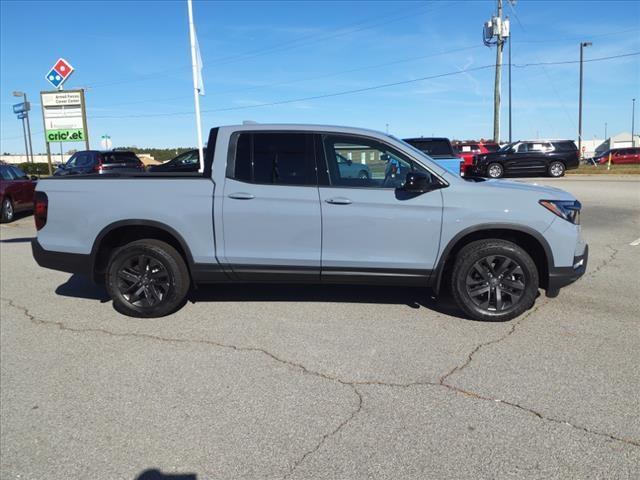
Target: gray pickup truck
(273,205)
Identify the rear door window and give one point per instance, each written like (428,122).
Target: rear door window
(275,158)
(83,159)
(433,148)
(565,146)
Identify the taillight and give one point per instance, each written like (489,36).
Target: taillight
(98,167)
(462,168)
(40,209)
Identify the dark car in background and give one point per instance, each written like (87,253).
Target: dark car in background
(16,192)
(185,162)
(467,150)
(440,149)
(93,161)
(540,157)
(619,156)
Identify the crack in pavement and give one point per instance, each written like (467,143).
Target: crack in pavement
(327,435)
(605,262)
(513,328)
(352,384)
(298,366)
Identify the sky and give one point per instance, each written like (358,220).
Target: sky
(133,59)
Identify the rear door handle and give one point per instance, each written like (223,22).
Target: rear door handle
(241,196)
(338,201)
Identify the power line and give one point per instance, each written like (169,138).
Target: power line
(365,89)
(342,72)
(359,90)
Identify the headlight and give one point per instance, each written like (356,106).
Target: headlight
(569,210)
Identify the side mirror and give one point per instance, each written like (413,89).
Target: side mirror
(349,162)
(33,178)
(417,182)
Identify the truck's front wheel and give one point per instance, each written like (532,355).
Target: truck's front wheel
(147,278)
(494,280)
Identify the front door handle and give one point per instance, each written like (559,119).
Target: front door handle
(241,196)
(338,201)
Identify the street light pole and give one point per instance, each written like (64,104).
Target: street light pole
(582,45)
(29,130)
(24,134)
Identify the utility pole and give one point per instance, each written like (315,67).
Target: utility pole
(496,31)
(633,117)
(582,46)
(496,86)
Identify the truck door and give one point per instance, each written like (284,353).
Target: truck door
(271,208)
(369,228)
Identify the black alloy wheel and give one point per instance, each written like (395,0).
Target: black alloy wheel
(494,280)
(495,283)
(147,278)
(143,281)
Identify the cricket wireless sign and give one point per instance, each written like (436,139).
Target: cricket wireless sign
(64,116)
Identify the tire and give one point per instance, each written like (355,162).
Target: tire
(364,175)
(147,279)
(556,169)
(6,211)
(480,266)
(495,170)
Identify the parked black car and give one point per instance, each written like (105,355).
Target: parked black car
(92,161)
(185,162)
(547,157)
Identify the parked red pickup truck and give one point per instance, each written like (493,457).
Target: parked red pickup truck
(466,151)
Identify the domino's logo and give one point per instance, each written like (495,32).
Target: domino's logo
(59,73)
(54,78)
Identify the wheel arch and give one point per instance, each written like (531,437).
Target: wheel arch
(529,239)
(122,232)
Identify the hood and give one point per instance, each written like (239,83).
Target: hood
(543,191)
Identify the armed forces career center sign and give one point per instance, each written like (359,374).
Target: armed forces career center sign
(64,116)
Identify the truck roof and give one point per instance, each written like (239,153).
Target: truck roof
(304,127)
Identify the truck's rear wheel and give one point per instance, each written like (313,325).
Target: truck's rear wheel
(494,280)
(147,278)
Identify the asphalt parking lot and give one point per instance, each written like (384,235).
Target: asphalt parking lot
(298,382)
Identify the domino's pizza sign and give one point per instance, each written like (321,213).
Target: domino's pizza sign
(59,73)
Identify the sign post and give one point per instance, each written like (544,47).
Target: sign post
(64,118)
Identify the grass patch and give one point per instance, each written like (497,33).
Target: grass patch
(602,170)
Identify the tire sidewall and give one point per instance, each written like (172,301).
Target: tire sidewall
(173,263)
(473,252)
